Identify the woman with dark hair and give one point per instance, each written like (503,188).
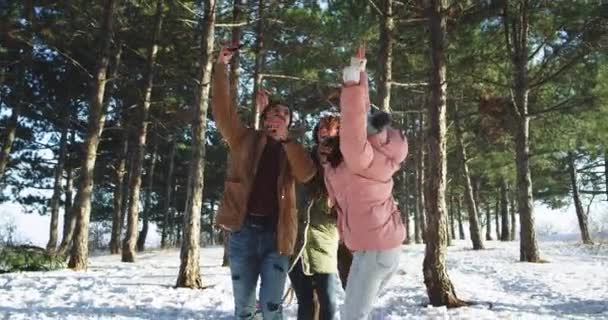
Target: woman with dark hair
(360,184)
(315,265)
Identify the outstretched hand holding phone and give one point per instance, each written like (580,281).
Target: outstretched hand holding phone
(351,75)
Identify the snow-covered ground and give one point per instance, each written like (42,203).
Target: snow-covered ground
(573,285)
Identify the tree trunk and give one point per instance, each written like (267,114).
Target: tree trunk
(189,270)
(69,221)
(504,210)
(259,62)
(129,243)
(580,212)
(439,286)
(497,216)
(119,190)
(9,138)
(18,103)
(513,221)
(519,51)
(488,222)
(235,72)
(420,169)
(468,194)
(387,28)
(168,188)
(56,199)
(459,211)
(606,170)
(406,208)
(451,213)
(82,206)
(143,234)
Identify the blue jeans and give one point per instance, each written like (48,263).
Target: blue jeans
(303,285)
(253,254)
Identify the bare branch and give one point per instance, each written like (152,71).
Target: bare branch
(409,85)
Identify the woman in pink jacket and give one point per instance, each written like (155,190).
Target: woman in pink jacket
(361,185)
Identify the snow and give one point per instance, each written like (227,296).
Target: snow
(573,285)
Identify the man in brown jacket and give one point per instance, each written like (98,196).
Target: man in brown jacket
(258,205)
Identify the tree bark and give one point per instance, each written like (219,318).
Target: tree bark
(189,270)
(420,169)
(69,221)
(406,208)
(513,231)
(143,234)
(259,62)
(504,210)
(56,198)
(497,216)
(119,190)
(387,28)
(580,212)
(82,206)
(439,286)
(235,72)
(129,243)
(468,194)
(519,51)
(459,211)
(168,188)
(488,222)
(451,213)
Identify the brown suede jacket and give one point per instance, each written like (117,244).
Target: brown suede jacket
(246,146)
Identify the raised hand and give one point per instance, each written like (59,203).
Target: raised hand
(351,74)
(261,100)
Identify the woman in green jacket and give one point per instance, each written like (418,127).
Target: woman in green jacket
(315,266)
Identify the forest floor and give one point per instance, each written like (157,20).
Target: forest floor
(572,285)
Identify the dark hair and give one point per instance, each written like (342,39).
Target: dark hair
(274,103)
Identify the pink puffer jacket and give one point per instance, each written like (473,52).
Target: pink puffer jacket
(362,185)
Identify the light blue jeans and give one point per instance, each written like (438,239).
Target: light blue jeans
(253,255)
(369,274)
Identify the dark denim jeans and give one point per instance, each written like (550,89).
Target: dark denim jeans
(253,255)
(303,285)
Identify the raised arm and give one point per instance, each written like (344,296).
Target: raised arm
(224,113)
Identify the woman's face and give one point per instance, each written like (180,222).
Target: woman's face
(327,129)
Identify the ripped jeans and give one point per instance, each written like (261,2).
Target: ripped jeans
(253,254)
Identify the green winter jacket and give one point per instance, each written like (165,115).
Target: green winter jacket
(318,237)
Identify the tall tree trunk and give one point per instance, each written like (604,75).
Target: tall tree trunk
(580,212)
(459,212)
(504,210)
(235,72)
(129,243)
(387,28)
(451,213)
(606,170)
(69,221)
(18,103)
(406,208)
(119,189)
(82,206)
(513,231)
(468,194)
(438,284)
(517,45)
(488,222)
(143,234)
(9,138)
(189,270)
(497,216)
(421,179)
(259,62)
(168,188)
(56,199)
